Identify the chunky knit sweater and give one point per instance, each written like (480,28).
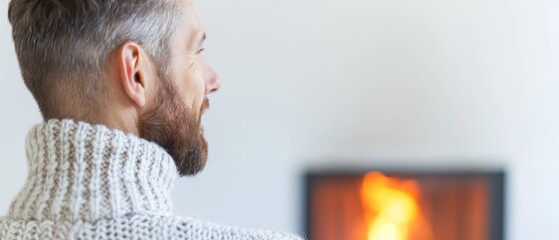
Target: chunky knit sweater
(91,182)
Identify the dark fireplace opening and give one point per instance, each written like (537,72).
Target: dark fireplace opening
(405,205)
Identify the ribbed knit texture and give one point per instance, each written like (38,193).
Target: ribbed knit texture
(91,182)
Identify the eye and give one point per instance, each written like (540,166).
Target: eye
(200,51)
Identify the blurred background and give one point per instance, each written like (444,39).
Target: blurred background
(308,84)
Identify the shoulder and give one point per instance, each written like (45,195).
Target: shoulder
(133,226)
(189,228)
(154,226)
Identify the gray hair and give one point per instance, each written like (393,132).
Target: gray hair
(63,46)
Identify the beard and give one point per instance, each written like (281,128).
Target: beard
(172,125)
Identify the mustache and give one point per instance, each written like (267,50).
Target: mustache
(205,106)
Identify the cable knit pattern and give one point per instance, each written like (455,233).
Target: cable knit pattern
(91,182)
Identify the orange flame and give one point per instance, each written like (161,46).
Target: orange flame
(392,211)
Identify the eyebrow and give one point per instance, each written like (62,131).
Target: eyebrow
(203,39)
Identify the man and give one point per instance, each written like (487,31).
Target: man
(122,86)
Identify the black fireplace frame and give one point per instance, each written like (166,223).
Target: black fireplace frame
(496,181)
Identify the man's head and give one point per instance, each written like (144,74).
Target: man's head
(128,64)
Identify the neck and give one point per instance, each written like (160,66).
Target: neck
(79,171)
(125,122)
(117,115)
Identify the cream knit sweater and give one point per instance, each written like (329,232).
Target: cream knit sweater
(91,182)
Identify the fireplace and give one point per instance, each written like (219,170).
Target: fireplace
(405,205)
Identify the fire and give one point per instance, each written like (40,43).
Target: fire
(392,211)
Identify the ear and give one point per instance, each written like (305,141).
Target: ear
(133,72)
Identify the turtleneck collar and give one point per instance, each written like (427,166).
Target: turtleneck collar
(79,171)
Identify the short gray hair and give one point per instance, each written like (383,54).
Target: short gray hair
(65,44)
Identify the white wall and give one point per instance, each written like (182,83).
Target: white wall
(17,113)
(436,83)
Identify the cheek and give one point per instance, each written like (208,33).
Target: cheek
(192,84)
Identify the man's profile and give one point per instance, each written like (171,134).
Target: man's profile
(122,86)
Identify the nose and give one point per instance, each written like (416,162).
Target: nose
(212,82)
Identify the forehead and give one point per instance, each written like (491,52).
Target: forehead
(190,27)
(189,11)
